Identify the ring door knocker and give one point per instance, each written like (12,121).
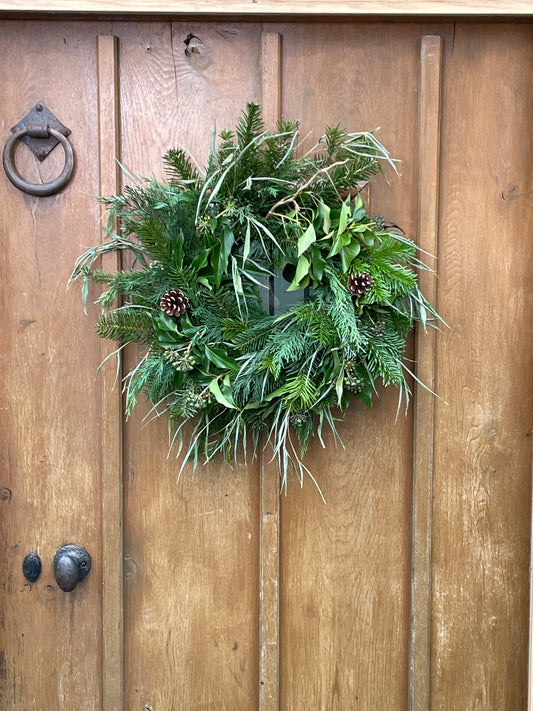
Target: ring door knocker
(41,131)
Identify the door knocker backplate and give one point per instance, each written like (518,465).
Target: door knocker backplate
(41,131)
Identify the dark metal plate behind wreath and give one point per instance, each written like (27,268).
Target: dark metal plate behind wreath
(39,118)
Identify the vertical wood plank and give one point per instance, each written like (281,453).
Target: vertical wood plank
(530,641)
(50,640)
(269,486)
(428,196)
(481,504)
(191,549)
(112,554)
(345,566)
(482,472)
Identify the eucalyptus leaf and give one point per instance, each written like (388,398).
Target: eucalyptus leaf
(343,218)
(302,269)
(325,212)
(210,242)
(221,398)
(307,239)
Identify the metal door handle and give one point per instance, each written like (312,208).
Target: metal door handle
(41,131)
(38,189)
(71,564)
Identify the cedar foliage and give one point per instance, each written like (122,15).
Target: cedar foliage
(228,365)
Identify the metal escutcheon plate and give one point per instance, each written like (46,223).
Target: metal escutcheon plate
(40,115)
(31,567)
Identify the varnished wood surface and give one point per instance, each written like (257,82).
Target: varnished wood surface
(345,578)
(192,549)
(424,406)
(279,7)
(482,451)
(110,373)
(530,645)
(269,490)
(50,436)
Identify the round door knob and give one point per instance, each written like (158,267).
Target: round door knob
(71,564)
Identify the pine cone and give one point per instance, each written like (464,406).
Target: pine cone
(377,329)
(174,302)
(359,284)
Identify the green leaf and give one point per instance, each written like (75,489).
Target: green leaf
(325,213)
(237,281)
(366,395)
(368,239)
(343,217)
(246,247)
(307,239)
(218,357)
(302,269)
(422,314)
(225,250)
(178,253)
(339,387)
(349,253)
(200,261)
(318,262)
(166,330)
(359,211)
(221,253)
(345,400)
(277,393)
(340,241)
(163,322)
(85,293)
(222,398)
(345,261)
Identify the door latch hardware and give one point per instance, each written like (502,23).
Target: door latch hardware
(31,567)
(35,126)
(41,131)
(71,564)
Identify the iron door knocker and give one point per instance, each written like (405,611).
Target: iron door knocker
(41,131)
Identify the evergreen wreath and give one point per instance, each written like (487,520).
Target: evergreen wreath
(206,248)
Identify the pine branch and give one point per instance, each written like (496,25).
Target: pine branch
(126,324)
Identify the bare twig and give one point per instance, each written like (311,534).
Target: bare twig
(303,187)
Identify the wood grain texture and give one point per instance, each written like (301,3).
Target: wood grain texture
(112,553)
(482,452)
(530,645)
(279,7)
(191,547)
(50,435)
(424,413)
(345,565)
(269,507)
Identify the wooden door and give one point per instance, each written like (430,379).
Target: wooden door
(409,587)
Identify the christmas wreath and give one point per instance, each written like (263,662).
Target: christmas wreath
(210,249)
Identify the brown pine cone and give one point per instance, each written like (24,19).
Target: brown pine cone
(174,302)
(359,284)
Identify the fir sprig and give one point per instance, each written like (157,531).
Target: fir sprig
(206,246)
